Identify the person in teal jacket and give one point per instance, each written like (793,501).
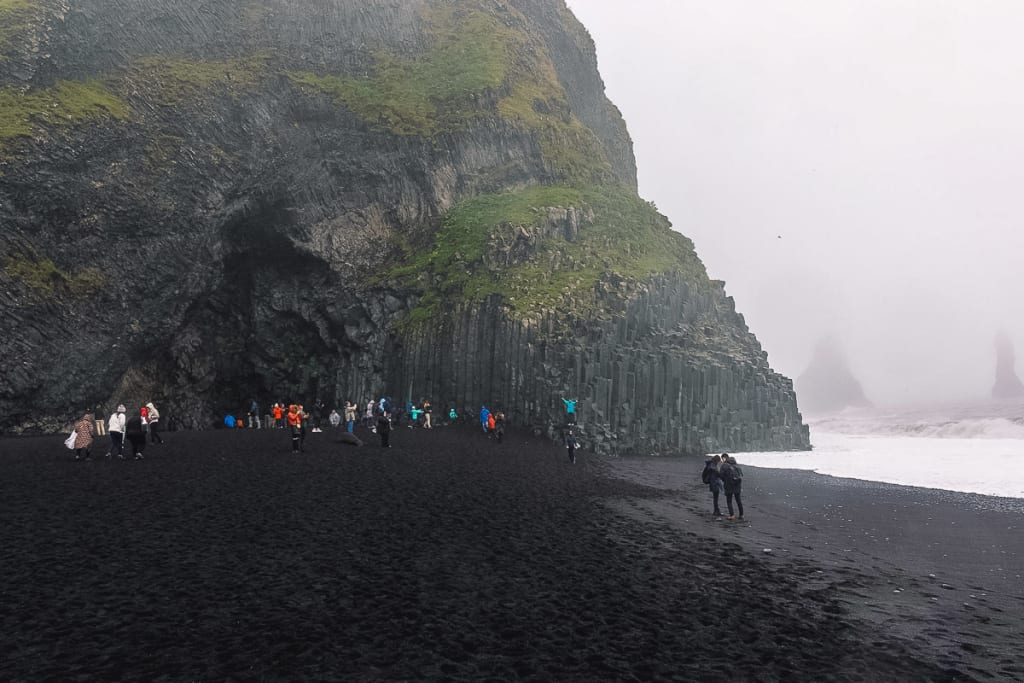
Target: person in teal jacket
(570,410)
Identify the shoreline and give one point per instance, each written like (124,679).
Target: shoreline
(941,568)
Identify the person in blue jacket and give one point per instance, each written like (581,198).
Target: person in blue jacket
(570,410)
(484,414)
(229,421)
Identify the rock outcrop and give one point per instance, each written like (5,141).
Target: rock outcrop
(205,200)
(1008,384)
(828,385)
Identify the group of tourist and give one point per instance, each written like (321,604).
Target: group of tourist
(119,427)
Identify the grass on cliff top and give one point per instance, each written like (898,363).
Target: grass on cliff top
(482,63)
(66,103)
(627,237)
(428,94)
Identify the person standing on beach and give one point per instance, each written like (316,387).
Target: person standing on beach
(384,429)
(426,413)
(254,414)
(713,478)
(278,413)
(732,477)
(115,427)
(83,440)
(334,418)
(154,423)
(350,416)
(295,424)
(570,410)
(136,434)
(484,417)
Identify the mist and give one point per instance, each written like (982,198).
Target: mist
(848,168)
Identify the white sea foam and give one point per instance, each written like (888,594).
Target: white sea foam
(975,448)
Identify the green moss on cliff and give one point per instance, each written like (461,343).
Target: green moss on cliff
(496,245)
(482,63)
(15,17)
(42,277)
(67,103)
(175,80)
(427,95)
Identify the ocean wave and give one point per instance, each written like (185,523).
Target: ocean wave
(989,420)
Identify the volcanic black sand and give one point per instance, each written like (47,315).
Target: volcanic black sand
(222,556)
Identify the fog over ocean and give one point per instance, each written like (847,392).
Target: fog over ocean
(969,447)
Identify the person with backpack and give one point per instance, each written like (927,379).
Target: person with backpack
(713,478)
(732,477)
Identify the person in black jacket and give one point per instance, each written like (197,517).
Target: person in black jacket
(136,435)
(713,479)
(732,477)
(384,429)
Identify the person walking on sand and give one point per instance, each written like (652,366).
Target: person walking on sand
(713,478)
(384,429)
(499,426)
(83,438)
(484,417)
(153,415)
(732,477)
(115,427)
(571,444)
(570,410)
(350,416)
(136,434)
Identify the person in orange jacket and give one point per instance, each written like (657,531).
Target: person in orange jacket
(278,415)
(295,424)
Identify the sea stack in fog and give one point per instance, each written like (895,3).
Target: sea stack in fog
(1007,385)
(827,385)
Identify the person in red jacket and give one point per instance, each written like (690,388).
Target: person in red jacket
(295,424)
(278,415)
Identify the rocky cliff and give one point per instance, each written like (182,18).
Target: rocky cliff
(828,385)
(204,200)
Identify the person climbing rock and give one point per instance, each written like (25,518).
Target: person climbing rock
(570,410)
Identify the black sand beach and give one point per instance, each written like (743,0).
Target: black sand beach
(224,557)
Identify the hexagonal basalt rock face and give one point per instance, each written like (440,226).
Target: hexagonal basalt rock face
(204,202)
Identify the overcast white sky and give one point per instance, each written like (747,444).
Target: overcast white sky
(882,140)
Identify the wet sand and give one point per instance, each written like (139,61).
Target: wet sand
(224,557)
